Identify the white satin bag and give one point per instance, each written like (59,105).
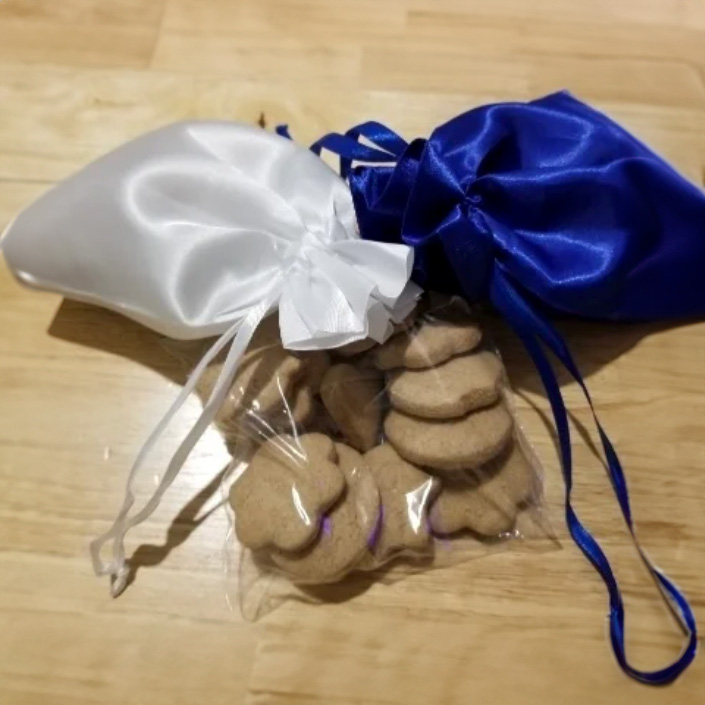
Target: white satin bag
(185,229)
(201,229)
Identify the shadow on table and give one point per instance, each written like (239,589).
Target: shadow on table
(97,328)
(100,329)
(262,590)
(182,526)
(593,345)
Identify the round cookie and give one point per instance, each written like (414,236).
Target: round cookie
(346,530)
(458,386)
(352,397)
(287,487)
(405,493)
(487,501)
(433,342)
(457,444)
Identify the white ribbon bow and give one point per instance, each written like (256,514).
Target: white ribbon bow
(204,228)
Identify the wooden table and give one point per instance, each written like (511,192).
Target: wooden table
(80,388)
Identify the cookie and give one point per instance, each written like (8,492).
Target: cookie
(265,374)
(434,341)
(352,397)
(262,377)
(287,487)
(407,323)
(456,387)
(316,365)
(455,444)
(360,346)
(266,334)
(405,493)
(345,532)
(297,413)
(486,501)
(357,347)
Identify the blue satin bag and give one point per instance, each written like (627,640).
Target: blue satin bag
(543,208)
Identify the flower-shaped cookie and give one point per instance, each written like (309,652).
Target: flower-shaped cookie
(288,486)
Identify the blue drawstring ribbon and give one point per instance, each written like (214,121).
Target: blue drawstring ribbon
(542,208)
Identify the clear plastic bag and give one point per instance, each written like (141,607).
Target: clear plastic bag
(372,460)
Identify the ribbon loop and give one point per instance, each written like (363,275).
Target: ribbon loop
(387,145)
(534,331)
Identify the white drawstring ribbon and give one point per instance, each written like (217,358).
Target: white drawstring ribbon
(240,334)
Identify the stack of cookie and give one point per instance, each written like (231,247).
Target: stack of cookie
(448,417)
(371,455)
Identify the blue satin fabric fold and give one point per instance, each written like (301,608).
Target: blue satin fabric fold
(567,204)
(542,208)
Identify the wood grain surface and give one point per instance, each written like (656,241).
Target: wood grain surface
(80,388)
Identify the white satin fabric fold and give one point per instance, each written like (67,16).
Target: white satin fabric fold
(184,229)
(201,229)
